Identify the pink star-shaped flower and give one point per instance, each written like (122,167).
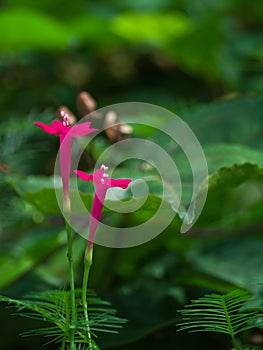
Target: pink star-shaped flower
(102,183)
(63,129)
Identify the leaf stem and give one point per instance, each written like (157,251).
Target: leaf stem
(235,343)
(87,266)
(229,324)
(67,210)
(63,344)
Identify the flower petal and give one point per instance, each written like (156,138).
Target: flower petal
(82,175)
(123,183)
(82,129)
(49,129)
(56,127)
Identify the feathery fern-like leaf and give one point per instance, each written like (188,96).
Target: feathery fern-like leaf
(53,307)
(222,314)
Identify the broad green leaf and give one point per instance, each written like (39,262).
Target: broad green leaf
(188,248)
(24,29)
(224,185)
(37,190)
(227,198)
(95,31)
(151,28)
(40,192)
(202,44)
(235,119)
(67,9)
(238,261)
(204,280)
(145,5)
(22,256)
(227,154)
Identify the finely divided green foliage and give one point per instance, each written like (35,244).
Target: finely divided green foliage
(53,307)
(221,313)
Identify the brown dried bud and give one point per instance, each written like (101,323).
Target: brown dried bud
(116,130)
(85,104)
(62,111)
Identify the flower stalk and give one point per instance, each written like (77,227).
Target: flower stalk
(87,266)
(73,316)
(66,132)
(102,183)
(72,286)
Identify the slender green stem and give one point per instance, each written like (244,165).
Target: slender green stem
(235,343)
(63,344)
(87,266)
(229,324)
(71,274)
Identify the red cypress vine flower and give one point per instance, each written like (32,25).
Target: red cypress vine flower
(63,129)
(102,183)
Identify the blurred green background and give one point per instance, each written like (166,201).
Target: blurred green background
(201,59)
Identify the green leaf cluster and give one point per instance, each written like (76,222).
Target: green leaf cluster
(52,307)
(221,314)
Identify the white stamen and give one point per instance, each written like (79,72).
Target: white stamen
(104,175)
(104,167)
(65,118)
